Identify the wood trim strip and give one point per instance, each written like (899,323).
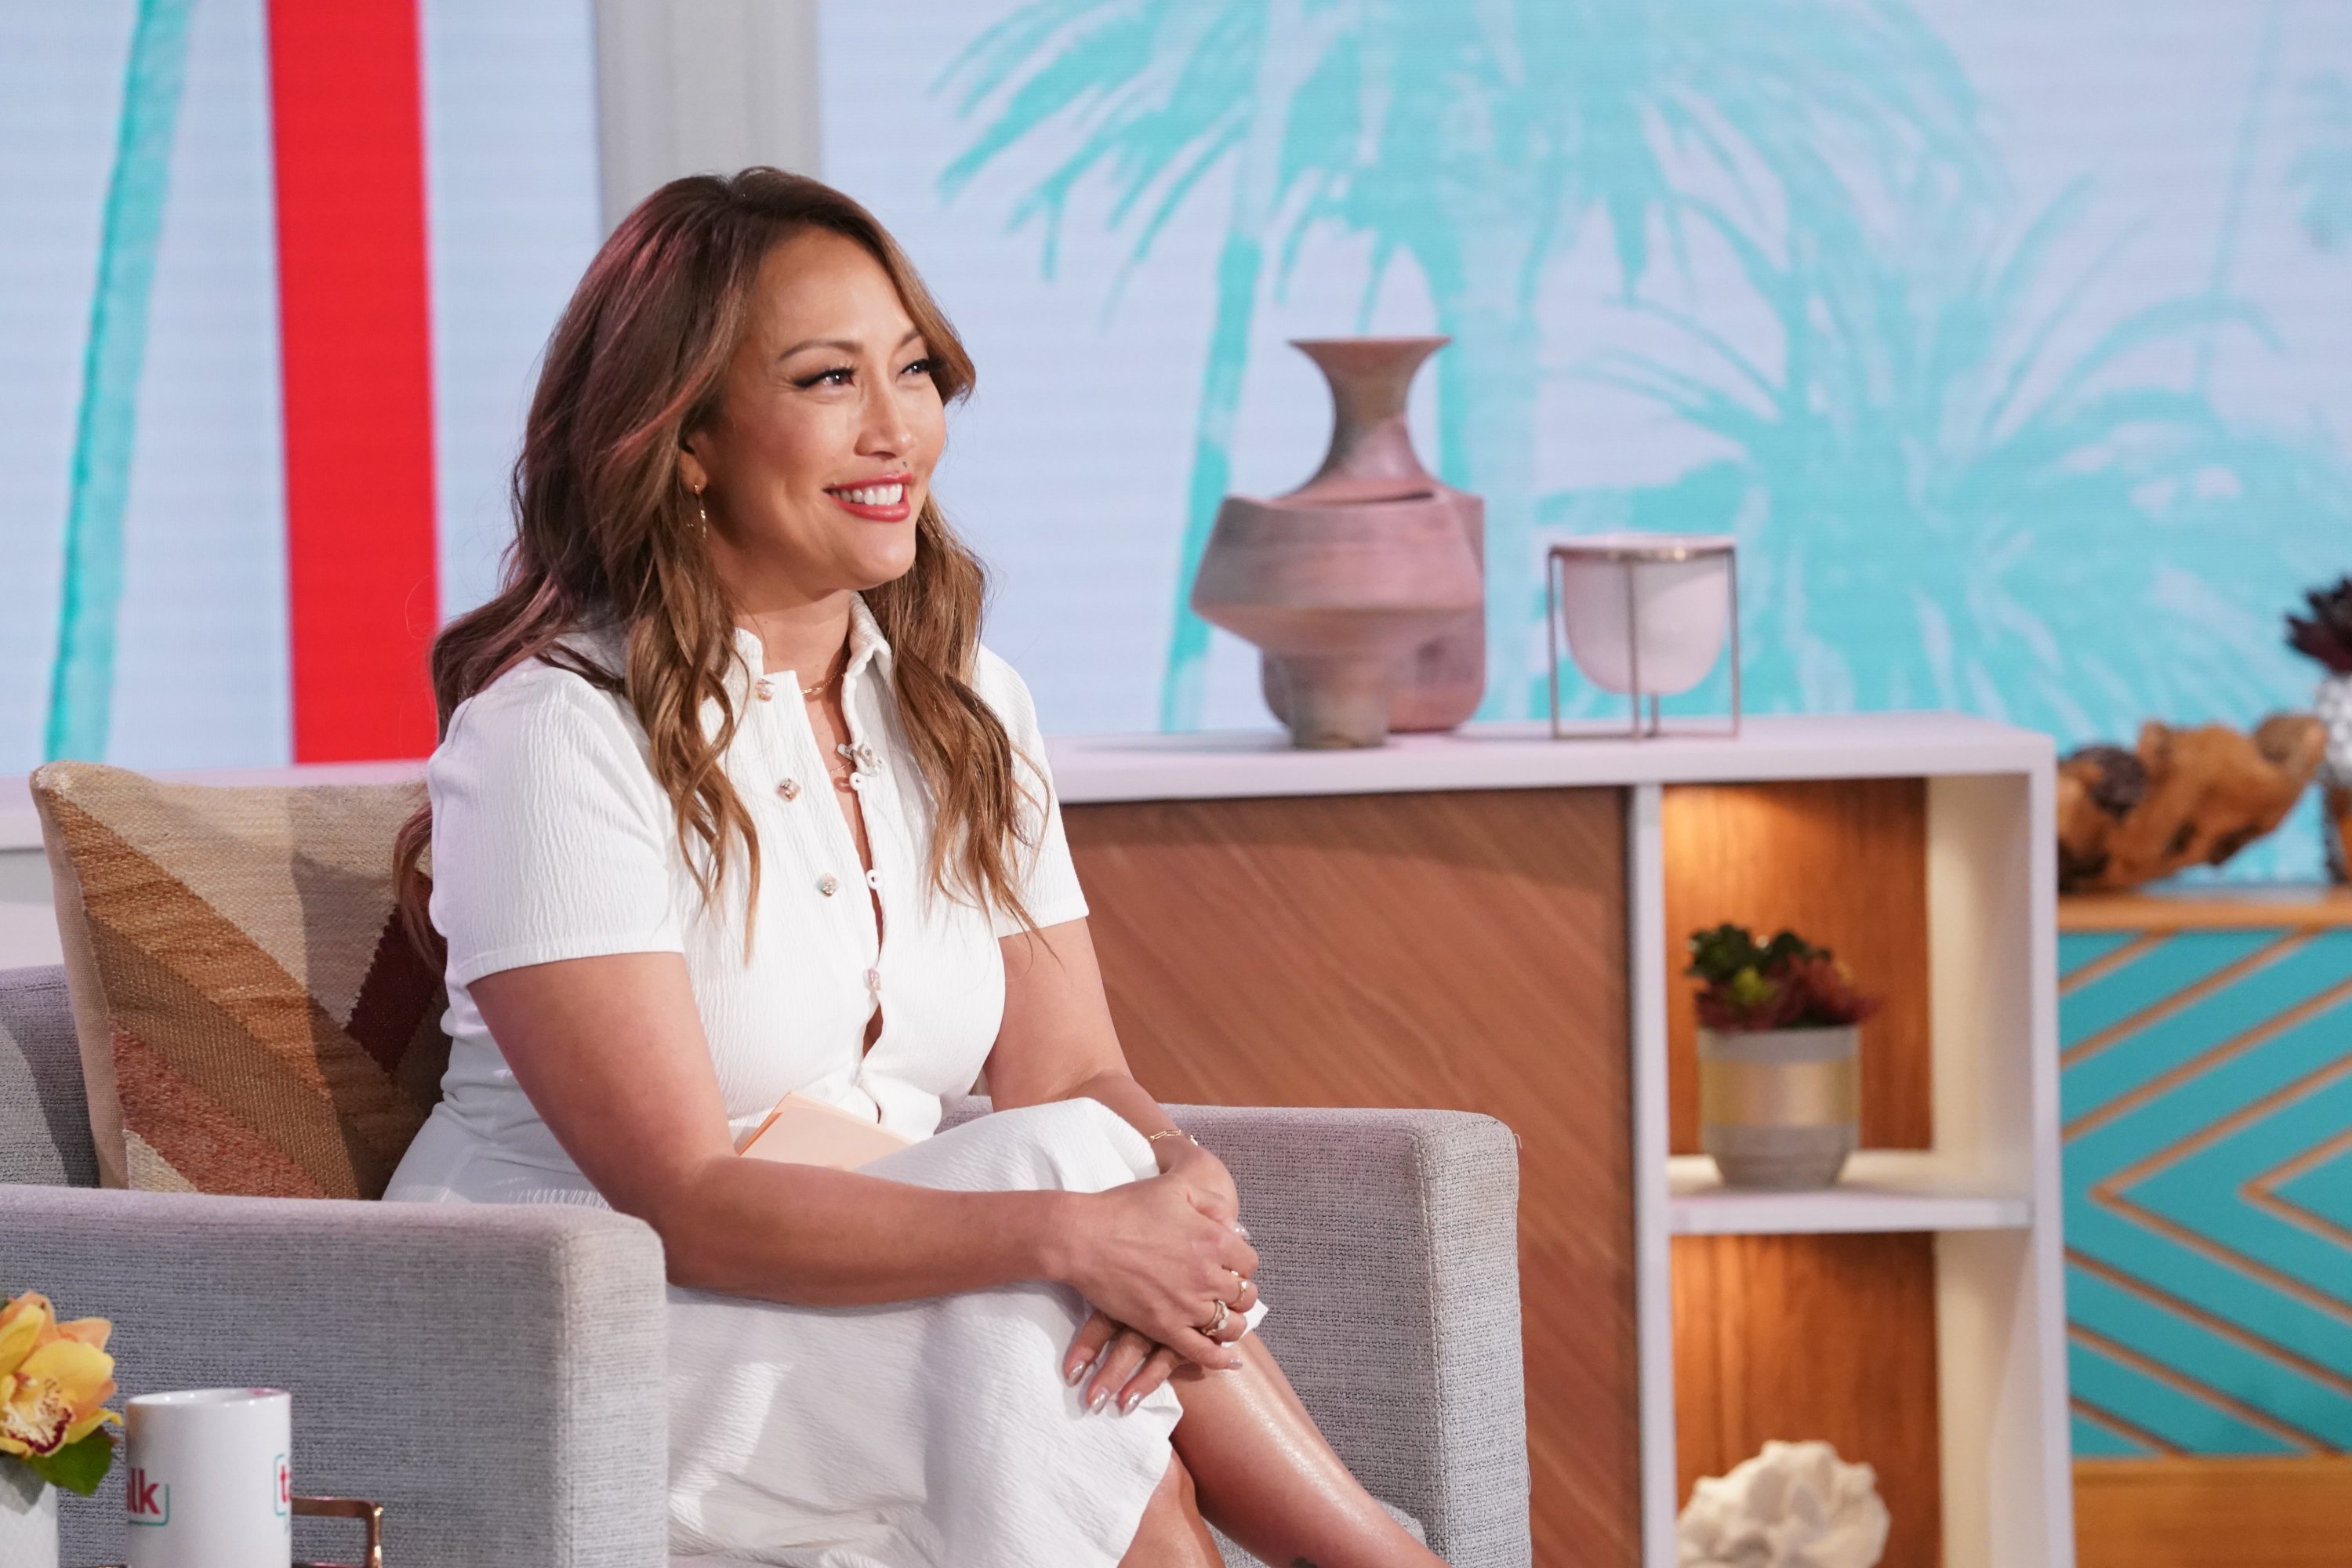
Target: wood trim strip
(2316,907)
(2205,1512)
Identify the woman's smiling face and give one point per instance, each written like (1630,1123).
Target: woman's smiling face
(828,428)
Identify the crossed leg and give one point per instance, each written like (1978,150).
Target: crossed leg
(1171,1535)
(1249,1456)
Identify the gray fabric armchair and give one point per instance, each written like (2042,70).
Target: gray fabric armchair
(494,1376)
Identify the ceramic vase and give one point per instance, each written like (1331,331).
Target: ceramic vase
(1364,589)
(1779,1109)
(28,1519)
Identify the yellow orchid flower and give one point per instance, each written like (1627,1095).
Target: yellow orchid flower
(54,1378)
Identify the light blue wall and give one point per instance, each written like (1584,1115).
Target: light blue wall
(2007,334)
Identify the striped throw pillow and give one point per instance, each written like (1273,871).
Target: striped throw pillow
(251,1015)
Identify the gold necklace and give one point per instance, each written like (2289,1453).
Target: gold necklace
(840,660)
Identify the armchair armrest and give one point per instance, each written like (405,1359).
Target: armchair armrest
(493,1374)
(1387,1248)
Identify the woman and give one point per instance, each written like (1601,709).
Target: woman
(731,803)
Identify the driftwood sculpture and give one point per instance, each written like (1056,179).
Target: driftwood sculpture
(2184,797)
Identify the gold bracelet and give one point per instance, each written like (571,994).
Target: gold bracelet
(1172,1132)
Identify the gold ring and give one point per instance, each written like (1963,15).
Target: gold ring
(1218,1322)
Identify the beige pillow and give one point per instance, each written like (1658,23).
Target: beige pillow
(251,1015)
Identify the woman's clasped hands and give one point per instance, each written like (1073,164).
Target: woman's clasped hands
(1170,1273)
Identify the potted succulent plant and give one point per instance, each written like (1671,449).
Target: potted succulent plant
(1779,1065)
(2326,636)
(55,1379)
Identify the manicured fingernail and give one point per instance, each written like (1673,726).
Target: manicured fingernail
(1072,1372)
(1100,1397)
(1127,1406)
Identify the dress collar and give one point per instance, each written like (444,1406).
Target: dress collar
(866,643)
(867,646)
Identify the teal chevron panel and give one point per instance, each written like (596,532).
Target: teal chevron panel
(2202,1192)
(2224,1197)
(2252,1306)
(2174,1340)
(2165,970)
(2103,1442)
(2207,1024)
(2078,950)
(2195,1267)
(2094,1441)
(2154,1405)
(2323,1192)
(2286,1063)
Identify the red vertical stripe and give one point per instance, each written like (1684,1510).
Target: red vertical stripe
(345,94)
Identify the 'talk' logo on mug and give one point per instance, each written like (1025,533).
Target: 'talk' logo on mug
(141,1491)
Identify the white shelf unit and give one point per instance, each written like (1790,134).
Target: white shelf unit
(1881,1190)
(1989,1188)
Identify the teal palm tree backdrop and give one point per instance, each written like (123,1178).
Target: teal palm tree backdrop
(81,683)
(2323,168)
(1476,140)
(1940,510)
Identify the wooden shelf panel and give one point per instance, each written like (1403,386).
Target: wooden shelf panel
(2251,906)
(1882,1189)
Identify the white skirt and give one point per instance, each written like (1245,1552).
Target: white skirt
(931,1434)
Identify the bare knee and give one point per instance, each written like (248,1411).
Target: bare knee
(1172,1533)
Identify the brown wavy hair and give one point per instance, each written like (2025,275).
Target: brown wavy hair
(605,534)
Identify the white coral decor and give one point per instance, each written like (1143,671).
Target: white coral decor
(1795,1505)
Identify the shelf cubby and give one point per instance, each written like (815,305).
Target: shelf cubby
(1913,1314)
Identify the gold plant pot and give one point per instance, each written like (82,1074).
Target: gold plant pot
(1779,1109)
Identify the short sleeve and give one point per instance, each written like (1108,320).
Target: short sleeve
(1049,880)
(550,835)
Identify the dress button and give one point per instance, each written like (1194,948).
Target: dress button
(827,885)
(790,789)
(766,691)
(874,980)
(874,880)
(866,755)
(856,779)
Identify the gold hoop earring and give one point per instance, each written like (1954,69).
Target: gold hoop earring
(702,518)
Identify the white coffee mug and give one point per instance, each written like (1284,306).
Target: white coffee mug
(208,1482)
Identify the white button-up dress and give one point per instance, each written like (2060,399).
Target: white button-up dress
(928,1433)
